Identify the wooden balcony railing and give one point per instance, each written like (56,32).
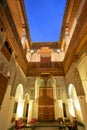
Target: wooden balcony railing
(37,68)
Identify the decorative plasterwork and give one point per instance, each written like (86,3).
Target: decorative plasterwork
(73,77)
(45,50)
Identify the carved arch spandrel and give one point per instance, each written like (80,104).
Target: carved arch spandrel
(73,77)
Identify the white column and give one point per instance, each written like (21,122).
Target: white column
(60,108)
(54,92)
(52,56)
(56,109)
(20,108)
(30,111)
(67,38)
(35,110)
(62,54)
(28,55)
(23,40)
(38,58)
(71,109)
(83,105)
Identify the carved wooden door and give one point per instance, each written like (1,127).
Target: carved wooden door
(46,105)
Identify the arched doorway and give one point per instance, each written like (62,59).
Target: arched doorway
(19,102)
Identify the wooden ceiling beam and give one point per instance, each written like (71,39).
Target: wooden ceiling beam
(38,45)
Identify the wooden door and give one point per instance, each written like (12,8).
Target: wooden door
(45,59)
(46,105)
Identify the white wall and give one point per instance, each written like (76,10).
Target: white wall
(35,57)
(58,109)
(6,111)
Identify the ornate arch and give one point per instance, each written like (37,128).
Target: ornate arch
(73,77)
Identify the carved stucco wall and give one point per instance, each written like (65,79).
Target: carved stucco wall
(60,87)
(17,76)
(73,77)
(30,87)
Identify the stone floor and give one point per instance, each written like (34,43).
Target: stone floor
(55,124)
(53,128)
(81,128)
(50,126)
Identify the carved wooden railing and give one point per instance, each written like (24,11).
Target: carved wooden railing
(37,68)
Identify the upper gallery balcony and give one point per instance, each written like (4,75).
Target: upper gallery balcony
(45,61)
(38,68)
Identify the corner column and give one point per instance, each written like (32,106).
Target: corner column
(83,105)
(23,40)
